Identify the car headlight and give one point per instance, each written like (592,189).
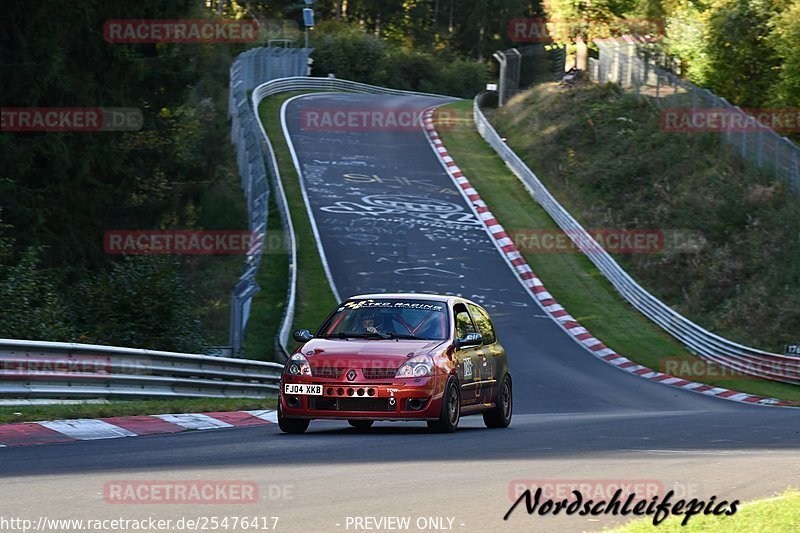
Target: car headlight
(298,365)
(416,367)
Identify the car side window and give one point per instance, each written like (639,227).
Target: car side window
(484,323)
(463,321)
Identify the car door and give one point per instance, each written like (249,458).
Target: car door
(467,358)
(490,355)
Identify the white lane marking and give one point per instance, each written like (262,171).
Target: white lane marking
(268,415)
(194,421)
(87,429)
(324,258)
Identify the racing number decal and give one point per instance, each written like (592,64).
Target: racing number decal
(467,368)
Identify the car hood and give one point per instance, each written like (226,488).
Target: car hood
(356,352)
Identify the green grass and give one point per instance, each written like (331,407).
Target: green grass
(776,515)
(30,413)
(570,277)
(314,299)
(604,154)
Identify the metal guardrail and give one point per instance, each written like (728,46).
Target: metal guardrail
(632,66)
(700,341)
(37,369)
(34,369)
(248,70)
(301,83)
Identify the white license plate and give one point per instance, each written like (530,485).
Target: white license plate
(302,388)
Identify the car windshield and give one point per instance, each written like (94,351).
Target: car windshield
(388,319)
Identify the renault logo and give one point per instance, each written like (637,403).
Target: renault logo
(351,375)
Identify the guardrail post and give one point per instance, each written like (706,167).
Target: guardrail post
(501,86)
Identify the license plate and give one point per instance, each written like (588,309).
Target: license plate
(302,388)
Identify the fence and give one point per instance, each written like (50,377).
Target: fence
(34,369)
(702,342)
(250,69)
(523,66)
(634,67)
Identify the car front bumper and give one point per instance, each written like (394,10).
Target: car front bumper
(397,399)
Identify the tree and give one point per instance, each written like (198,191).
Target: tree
(742,64)
(32,306)
(581,21)
(142,302)
(785,39)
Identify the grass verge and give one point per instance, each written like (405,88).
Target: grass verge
(314,296)
(729,259)
(570,277)
(32,413)
(778,515)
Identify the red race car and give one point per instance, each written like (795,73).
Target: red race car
(398,357)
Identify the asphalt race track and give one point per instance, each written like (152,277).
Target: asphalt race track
(390,219)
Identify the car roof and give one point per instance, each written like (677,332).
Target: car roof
(412,295)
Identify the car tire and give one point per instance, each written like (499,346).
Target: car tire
(451,409)
(500,414)
(291,425)
(361,425)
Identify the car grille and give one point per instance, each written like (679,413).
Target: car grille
(379,373)
(327,372)
(350,404)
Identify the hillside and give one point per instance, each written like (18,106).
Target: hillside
(730,259)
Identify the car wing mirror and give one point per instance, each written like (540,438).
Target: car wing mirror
(302,335)
(470,341)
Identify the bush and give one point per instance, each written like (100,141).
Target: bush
(143,303)
(32,307)
(351,54)
(346,51)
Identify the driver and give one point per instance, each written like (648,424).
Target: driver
(370,321)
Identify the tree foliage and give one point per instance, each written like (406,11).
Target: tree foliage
(141,302)
(347,52)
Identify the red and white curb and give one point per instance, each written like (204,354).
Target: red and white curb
(30,433)
(526,276)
